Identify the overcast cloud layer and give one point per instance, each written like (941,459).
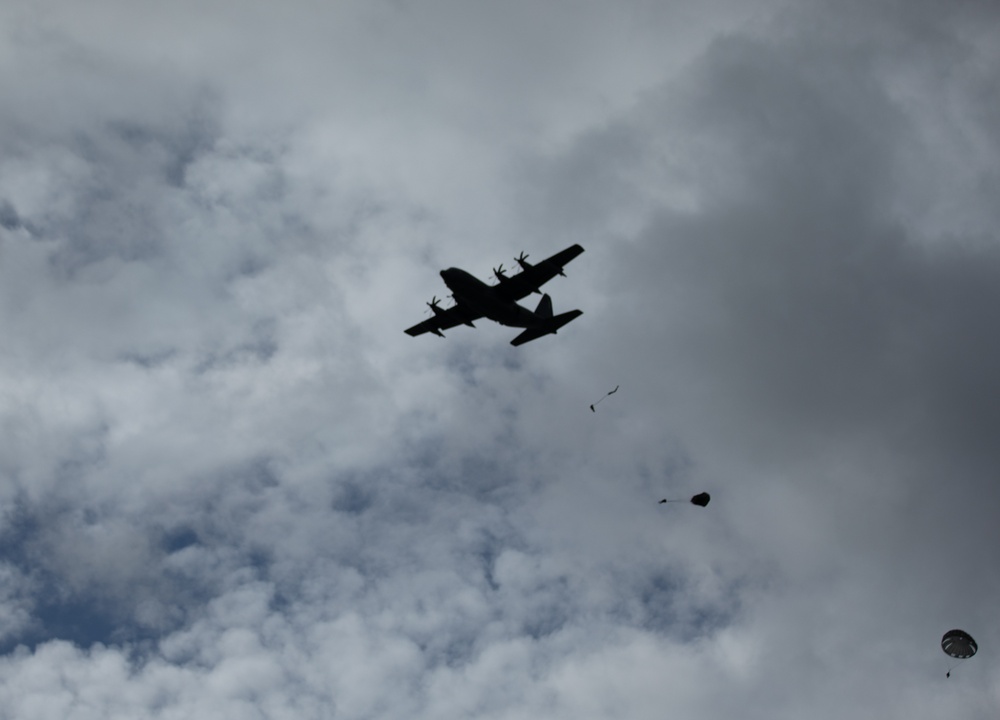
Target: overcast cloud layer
(232,487)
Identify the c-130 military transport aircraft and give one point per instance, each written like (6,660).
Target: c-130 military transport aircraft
(475,299)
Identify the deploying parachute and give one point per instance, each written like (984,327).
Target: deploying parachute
(701,499)
(959,645)
(604,398)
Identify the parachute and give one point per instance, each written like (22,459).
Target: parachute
(959,645)
(592,407)
(701,499)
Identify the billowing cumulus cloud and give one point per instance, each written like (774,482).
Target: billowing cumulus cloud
(230,485)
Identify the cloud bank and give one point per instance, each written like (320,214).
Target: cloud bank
(231,486)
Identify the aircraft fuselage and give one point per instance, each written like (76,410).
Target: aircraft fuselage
(484,299)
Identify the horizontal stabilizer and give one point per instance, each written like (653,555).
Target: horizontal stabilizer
(549,328)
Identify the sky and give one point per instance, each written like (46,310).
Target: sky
(232,487)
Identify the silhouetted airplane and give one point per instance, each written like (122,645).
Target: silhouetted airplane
(475,299)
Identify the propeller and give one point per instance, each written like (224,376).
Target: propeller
(498,273)
(522,260)
(433,305)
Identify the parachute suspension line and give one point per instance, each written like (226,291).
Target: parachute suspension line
(953,666)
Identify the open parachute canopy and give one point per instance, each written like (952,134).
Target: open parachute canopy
(701,499)
(958,644)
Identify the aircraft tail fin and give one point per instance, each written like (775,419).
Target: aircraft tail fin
(544,309)
(550,328)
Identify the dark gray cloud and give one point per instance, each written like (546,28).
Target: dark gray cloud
(815,344)
(230,484)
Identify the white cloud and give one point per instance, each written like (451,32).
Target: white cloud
(232,486)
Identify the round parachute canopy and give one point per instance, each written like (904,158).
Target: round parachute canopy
(702,500)
(959,644)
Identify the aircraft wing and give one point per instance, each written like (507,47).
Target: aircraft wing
(443,320)
(534,276)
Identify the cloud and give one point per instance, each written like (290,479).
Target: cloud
(231,485)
